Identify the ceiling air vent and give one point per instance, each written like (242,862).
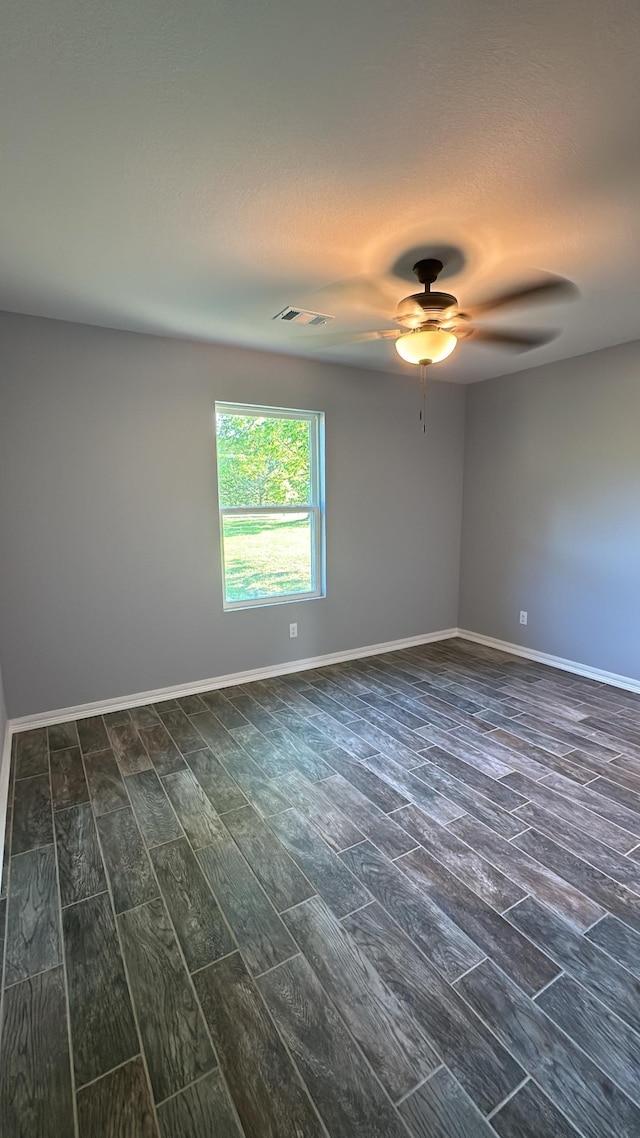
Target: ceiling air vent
(301,316)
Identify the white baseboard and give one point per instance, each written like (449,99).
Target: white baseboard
(5,767)
(82,711)
(585,670)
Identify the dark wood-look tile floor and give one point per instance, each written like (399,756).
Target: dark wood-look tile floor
(393,898)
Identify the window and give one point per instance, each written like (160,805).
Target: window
(270,491)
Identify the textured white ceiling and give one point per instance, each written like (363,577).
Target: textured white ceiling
(190,167)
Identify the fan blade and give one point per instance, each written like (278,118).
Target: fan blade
(330,339)
(359,292)
(548,289)
(516,340)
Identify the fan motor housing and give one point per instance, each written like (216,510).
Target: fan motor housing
(425,306)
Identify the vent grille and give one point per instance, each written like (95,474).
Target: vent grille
(301,316)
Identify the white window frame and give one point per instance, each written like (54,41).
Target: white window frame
(315,508)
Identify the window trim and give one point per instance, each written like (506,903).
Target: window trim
(315,507)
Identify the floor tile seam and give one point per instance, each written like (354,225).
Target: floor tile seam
(403,1098)
(33,976)
(105,1074)
(63,956)
(125,968)
(28,777)
(508,1097)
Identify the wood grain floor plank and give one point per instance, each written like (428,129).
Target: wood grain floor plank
(382,736)
(441,1109)
(265,751)
(265,1088)
(429,784)
(624,794)
(199,820)
(182,731)
(586,1095)
(619,941)
(147,716)
(259,930)
(155,814)
(32,820)
(582,959)
(118,1105)
(618,899)
(463,859)
(315,802)
(174,1037)
(384,832)
(126,860)
(190,704)
(532,875)
(429,927)
(197,919)
(279,876)
(574,813)
(601,804)
(32,753)
(33,918)
(80,867)
(343,737)
(417,790)
(581,843)
(103,1030)
(116,718)
(301,722)
(530,1114)
(491,788)
(260,791)
(162,751)
(201,1111)
(526,965)
(479,1062)
(328,876)
(35,1073)
(106,788)
(304,759)
(221,789)
(68,784)
(388,1034)
(127,745)
(62,736)
(532,734)
(92,735)
(214,734)
(346,1093)
(605,1038)
(379,792)
(218,703)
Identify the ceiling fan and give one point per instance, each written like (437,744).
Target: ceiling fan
(430,324)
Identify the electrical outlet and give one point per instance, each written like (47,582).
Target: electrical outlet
(293,631)
(523,617)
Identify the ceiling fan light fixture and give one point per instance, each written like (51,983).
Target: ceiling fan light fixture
(426,345)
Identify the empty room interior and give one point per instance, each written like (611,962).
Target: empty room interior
(320,569)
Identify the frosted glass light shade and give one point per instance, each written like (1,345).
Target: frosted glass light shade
(433,344)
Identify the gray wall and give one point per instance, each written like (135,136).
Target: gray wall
(551,520)
(110,560)
(3,715)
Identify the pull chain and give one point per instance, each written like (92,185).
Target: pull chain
(423,395)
